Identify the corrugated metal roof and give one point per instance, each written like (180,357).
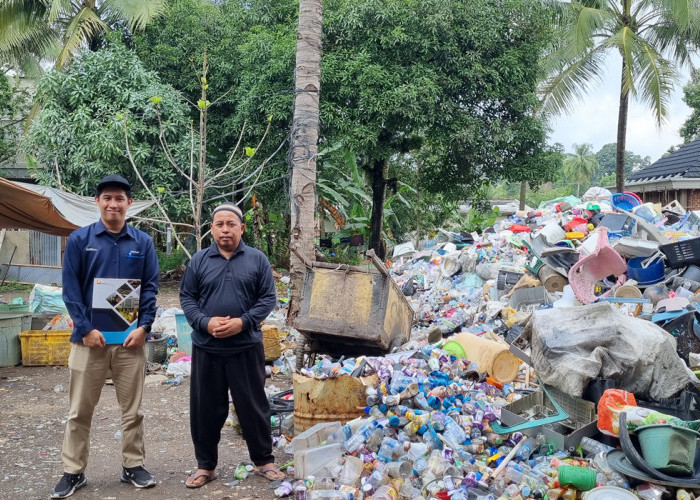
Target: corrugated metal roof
(683,163)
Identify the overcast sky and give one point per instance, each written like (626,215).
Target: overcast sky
(594,120)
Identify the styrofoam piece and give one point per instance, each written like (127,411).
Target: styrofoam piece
(634,247)
(553,233)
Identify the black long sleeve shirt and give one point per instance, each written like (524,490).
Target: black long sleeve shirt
(239,287)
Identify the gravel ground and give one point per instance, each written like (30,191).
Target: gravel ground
(33,411)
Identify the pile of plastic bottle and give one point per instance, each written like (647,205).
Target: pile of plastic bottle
(427,413)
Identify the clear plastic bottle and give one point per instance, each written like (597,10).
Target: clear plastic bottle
(385,492)
(360,437)
(454,435)
(388,450)
(527,448)
(399,381)
(593,447)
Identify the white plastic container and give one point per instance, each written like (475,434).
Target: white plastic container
(307,462)
(313,436)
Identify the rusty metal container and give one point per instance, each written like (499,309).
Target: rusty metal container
(346,309)
(334,399)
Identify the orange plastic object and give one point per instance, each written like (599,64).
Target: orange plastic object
(576,221)
(519,228)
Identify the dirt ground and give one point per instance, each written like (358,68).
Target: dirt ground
(33,411)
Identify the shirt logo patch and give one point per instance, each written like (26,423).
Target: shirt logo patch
(134,254)
(91,249)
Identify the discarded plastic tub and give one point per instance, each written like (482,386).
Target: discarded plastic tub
(625,201)
(157,349)
(628,291)
(668,448)
(652,274)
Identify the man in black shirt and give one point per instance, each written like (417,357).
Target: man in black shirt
(226,291)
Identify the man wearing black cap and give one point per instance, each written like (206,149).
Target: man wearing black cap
(226,292)
(107,249)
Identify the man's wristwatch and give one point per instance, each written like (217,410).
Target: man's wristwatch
(147,328)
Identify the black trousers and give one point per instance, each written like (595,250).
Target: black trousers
(213,376)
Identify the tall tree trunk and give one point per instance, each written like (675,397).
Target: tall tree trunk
(523,193)
(621,134)
(380,170)
(419,208)
(304,144)
(201,157)
(269,237)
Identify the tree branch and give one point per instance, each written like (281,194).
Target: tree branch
(148,190)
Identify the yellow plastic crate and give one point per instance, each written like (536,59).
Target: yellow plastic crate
(45,347)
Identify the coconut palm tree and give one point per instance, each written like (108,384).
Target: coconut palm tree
(304,144)
(580,166)
(55,29)
(653,37)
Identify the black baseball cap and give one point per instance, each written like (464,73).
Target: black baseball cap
(115,180)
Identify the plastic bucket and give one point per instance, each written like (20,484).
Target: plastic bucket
(157,350)
(668,448)
(184,333)
(629,292)
(650,275)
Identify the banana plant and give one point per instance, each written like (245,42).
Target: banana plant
(343,186)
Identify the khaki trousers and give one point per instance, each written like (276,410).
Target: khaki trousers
(89,368)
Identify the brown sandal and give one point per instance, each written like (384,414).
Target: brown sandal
(209,477)
(270,472)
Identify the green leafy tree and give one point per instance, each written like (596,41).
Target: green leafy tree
(78,135)
(453,80)
(58,28)
(14,106)
(581,166)
(691,96)
(250,49)
(653,38)
(607,158)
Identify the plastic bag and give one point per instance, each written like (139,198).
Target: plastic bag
(60,322)
(609,406)
(181,367)
(47,299)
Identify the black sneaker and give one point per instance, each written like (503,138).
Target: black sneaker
(68,484)
(138,476)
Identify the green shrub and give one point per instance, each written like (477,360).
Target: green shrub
(170,262)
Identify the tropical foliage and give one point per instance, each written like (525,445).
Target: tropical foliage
(581,166)
(652,37)
(15,100)
(56,29)
(78,135)
(691,96)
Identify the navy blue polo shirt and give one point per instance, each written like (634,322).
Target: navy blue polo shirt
(239,287)
(93,252)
